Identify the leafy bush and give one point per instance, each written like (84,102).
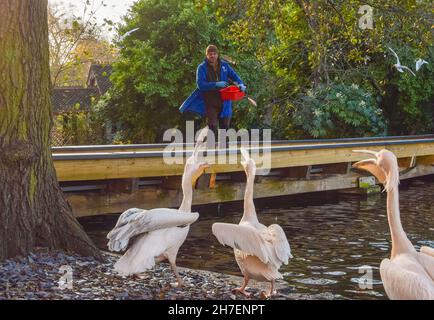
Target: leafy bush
(77,127)
(338,111)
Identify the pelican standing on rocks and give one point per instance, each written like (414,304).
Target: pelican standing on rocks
(408,274)
(259,251)
(157,234)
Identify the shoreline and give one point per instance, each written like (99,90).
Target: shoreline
(56,275)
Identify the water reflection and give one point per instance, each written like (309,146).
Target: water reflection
(333,238)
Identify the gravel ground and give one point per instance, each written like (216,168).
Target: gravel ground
(39,276)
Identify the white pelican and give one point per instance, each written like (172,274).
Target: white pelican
(408,274)
(420,63)
(398,64)
(259,251)
(157,234)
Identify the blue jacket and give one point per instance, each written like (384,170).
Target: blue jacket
(195,102)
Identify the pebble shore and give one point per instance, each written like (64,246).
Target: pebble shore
(46,275)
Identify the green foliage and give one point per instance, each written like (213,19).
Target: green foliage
(338,111)
(282,49)
(78,127)
(156,69)
(309,44)
(245,115)
(409,102)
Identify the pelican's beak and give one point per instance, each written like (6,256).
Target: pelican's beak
(360,163)
(371,165)
(365,151)
(201,171)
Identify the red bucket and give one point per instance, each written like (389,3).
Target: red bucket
(231,93)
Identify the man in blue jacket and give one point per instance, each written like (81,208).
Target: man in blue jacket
(212,75)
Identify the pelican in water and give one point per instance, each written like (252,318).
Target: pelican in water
(155,235)
(259,250)
(408,274)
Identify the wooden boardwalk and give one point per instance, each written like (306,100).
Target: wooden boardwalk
(110,179)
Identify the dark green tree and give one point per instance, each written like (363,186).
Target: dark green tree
(156,68)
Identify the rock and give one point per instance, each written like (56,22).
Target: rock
(37,277)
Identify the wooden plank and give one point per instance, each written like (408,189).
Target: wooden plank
(100,169)
(88,204)
(161,146)
(427,160)
(92,203)
(302,172)
(122,185)
(335,168)
(172,182)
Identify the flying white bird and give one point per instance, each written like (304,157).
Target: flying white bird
(420,63)
(398,64)
(126,34)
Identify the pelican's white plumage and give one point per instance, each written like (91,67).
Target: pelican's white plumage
(420,63)
(154,235)
(259,250)
(408,274)
(267,244)
(138,221)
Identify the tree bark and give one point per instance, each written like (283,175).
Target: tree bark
(33,210)
(311,10)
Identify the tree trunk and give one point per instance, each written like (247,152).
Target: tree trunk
(33,210)
(311,10)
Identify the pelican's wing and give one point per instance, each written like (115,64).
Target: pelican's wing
(371,166)
(396,56)
(146,221)
(399,68)
(279,243)
(420,63)
(133,30)
(126,34)
(128,215)
(242,237)
(407,68)
(427,250)
(402,284)
(426,259)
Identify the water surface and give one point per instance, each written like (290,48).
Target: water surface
(337,240)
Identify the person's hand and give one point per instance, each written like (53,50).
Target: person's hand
(242,87)
(221,84)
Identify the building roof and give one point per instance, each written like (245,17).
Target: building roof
(65,98)
(101,73)
(98,83)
